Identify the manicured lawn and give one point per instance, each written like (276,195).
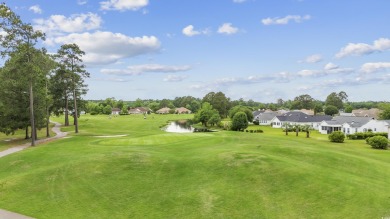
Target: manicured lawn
(153,174)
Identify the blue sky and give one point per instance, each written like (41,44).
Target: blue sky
(252,49)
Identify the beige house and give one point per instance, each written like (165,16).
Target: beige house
(182,110)
(164,110)
(372,113)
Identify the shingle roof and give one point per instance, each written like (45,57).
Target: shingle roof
(351,120)
(302,117)
(267,115)
(257,112)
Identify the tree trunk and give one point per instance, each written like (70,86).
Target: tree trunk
(307,134)
(47,115)
(76,125)
(27,136)
(66,111)
(36,133)
(32,119)
(296,130)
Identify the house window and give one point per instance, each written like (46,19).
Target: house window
(348,130)
(364,130)
(344,130)
(356,130)
(374,129)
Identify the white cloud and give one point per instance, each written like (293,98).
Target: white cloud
(82,2)
(175,78)
(227,28)
(190,31)
(36,9)
(58,24)
(285,20)
(358,49)
(306,73)
(147,68)
(329,69)
(107,47)
(313,58)
(373,67)
(123,5)
(331,66)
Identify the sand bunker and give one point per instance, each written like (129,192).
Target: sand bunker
(109,136)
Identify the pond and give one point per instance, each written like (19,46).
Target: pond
(179,127)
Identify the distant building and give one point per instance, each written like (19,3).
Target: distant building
(298,118)
(164,110)
(139,110)
(182,110)
(373,113)
(115,111)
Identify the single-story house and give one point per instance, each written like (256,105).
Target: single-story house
(265,117)
(164,110)
(257,113)
(115,111)
(139,110)
(372,113)
(298,118)
(182,110)
(346,124)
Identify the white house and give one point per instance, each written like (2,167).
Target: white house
(351,125)
(298,118)
(265,118)
(376,126)
(346,124)
(115,111)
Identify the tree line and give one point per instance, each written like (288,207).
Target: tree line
(35,84)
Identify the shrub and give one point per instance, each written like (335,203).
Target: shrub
(240,122)
(256,122)
(378,142)
(260,131)
(337,137)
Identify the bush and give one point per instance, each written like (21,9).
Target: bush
(240,121)
(378,142)
(365,135)
(256,122)
(337,137)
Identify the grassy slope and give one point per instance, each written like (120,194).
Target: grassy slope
(153,174)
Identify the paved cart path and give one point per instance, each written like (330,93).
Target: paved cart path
(56,129)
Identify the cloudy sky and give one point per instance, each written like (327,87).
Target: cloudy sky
(252,49)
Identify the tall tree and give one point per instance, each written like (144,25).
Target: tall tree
(70,60)
(219,102)
(20,37)
(304,101)
(336,99)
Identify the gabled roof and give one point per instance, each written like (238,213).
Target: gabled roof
(373,112)
(297,116)
(183,110)
(257,112)
(351,120)
(266,116)
(163,110)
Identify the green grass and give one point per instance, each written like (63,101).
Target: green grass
(154,174)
